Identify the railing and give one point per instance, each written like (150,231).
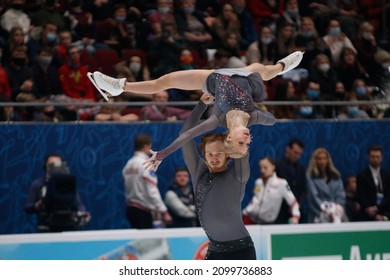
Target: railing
(383,103)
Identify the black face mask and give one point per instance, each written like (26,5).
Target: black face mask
(18,61)
(17,6)
(75,3)
(50,3)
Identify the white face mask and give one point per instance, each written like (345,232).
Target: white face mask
(135,67)
(266,41)
(324,67)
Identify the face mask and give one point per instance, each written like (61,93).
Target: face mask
(45,60)
(75,3)
(306,111)
(189,10)
(313,93)
(266,41)
(17,6)
(367,35)
(293,12)
(186,59)
(361,91)
(51,37)
(135,67)
(120,19)
(353,110)
(239,10)
(307,34)
(335,31)
(74,63)
(385,65)
(163,10)
(19,61)
(324,67)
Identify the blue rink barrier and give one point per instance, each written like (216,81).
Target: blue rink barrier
(96,154)
(348,241)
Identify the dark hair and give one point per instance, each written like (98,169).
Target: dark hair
(296,141)
(375,148)
(210,138)
(141,140)
(49,156)
(271,160)
(180,169)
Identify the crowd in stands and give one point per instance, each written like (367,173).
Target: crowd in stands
(47,48)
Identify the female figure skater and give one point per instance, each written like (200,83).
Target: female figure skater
(235,91)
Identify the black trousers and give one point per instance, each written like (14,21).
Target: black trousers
(138,218)
(247,253)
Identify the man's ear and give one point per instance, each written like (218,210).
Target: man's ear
(228,137)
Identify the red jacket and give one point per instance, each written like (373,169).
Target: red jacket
(75,82)
(5,89)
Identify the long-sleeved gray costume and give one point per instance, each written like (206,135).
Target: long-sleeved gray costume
(218,195)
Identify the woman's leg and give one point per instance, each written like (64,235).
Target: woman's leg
(185,80)
(268,72)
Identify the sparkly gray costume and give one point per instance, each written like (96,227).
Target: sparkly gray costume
(218,195)
(234,89)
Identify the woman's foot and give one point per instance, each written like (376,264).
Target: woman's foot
(291,61)
(106,85)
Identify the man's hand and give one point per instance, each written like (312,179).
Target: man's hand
(207,98)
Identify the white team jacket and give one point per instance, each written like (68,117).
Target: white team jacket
(267,200)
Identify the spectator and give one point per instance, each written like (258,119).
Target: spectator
(248,29)
(18,72)
(14,16)
(367,49)
(352,111)
(81,25)
(285,91)
(290,15)
(268,195)
(373,187)
(46,38)
(192,26)
(288,167)
(48,14)
(15,39)
(285,40)
(226,22)
(336,41)
(114,113)
(163,112)
(5,89)
(45,75)
(73,77)
(60,50)
(135,69)
(264,49)
(57,211)
(164,12)
(266,12)
(163,51)
(349,69)
(6,112)
(308,40)
(179,200)
(118,31)
(325,189)
(324,74)
(141,191)
(352,206)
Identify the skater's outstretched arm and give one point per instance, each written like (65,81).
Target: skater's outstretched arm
(190,130)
